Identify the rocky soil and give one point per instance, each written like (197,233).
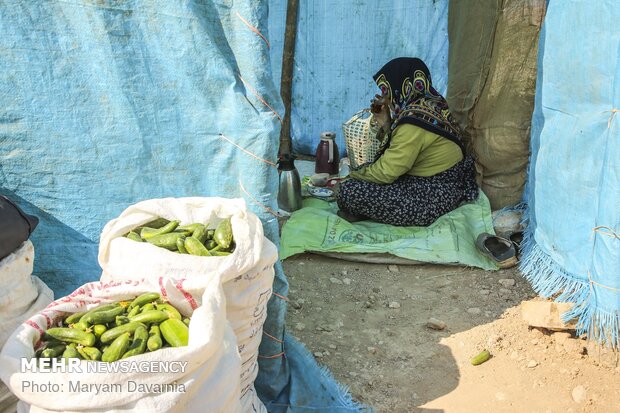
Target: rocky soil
(402,337)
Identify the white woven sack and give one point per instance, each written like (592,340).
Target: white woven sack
(246,308)
(247,274)
(21,294)
(209,382)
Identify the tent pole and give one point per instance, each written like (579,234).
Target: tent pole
(286,83)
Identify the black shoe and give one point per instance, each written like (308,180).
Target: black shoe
(516,238)
(499,249)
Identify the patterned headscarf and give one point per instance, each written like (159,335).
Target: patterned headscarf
(408,85)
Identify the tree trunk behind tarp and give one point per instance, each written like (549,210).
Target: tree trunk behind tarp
(492,80)
(286,85)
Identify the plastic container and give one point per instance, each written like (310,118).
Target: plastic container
(327,157)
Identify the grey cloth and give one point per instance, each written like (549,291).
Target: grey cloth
(15,226)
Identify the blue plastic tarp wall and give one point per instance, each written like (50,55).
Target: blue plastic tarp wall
(106,103)
(573,194)
(340,45)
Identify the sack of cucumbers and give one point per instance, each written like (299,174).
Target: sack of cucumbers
(193,239)
(127,346)
(117,331)
(156,249)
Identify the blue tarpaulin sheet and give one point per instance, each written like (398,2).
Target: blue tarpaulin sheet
(340,45)
(573,195)
(105,103)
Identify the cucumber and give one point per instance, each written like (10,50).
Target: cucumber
(81,325)
(200,233)
(481,358)
(102,317)
(148,317)
(54,351)
(219,250)
(145,308)
(115,332)
(195,247)
(133,311)
(190,228)
(72,335)
(145,298)
(220,253)
(74,318)
(181,245)
(117,348)
(134,236)
(138,345)
(93,353)
(81,352)
(99,329)
(121,319)
(175,332)
(50,341)
(71,353)
(155,224)
(148,233)
(154,341)
(167,241)
(170,310)
(104,307)
(223,233)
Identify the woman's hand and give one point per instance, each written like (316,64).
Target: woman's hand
(380,110)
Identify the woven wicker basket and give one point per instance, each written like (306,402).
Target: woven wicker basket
(360,139)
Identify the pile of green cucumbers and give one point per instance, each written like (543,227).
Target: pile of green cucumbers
(193,239)
(117,331)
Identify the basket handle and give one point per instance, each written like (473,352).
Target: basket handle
(359,114)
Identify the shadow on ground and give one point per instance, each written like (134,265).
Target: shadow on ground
(367,323)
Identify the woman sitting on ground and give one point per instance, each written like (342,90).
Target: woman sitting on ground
(424,172)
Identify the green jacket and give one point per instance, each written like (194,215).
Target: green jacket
(412,151)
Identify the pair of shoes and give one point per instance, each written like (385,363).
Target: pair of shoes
(350,217)
(499,249)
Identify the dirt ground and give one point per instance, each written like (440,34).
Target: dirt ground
(367,324)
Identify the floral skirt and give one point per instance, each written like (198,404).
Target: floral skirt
(411,200)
